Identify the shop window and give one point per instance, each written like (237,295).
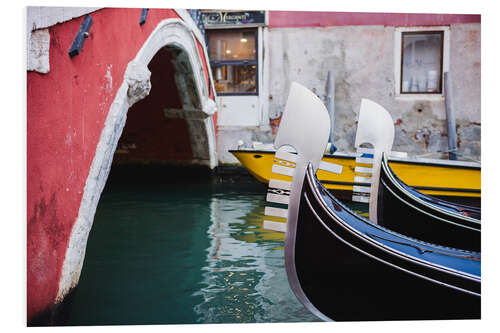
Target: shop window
(233,58)
(421,62)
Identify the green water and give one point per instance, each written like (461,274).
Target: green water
(183,253)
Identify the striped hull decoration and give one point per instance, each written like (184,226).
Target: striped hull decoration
(278,192)
(362,174)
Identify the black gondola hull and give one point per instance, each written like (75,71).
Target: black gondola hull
(402,209)
(351,278)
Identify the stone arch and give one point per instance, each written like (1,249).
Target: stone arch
(197,110)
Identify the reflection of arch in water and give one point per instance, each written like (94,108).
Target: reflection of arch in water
(174,37)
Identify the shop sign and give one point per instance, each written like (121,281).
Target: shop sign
(233,18)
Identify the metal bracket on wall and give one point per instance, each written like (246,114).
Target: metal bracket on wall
(83,33)
(144,14)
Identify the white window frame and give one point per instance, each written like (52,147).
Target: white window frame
(398,32)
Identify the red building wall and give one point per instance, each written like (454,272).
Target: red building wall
(66,111)
(290,19)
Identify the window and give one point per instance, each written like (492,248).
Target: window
(233,58)
(421,62)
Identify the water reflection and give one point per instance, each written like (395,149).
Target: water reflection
(183,253)
(244,278)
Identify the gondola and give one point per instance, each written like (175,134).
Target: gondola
(458,181)
(343,267)
(349,269)
(403,209)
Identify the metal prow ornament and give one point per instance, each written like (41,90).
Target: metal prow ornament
(305,126)
(375,126)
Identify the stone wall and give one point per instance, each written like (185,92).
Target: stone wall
(363,61)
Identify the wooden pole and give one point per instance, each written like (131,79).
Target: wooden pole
(330,97)
(450,118)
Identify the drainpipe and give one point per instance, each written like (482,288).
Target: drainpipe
(330,96)
(450,118)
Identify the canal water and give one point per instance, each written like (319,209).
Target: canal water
(183,251)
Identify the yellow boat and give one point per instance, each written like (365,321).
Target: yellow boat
(459,180)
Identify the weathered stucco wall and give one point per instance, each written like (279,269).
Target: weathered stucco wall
(362,59)
(229,138)
(465,57)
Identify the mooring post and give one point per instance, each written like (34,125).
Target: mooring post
(330,98)
(450,118)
